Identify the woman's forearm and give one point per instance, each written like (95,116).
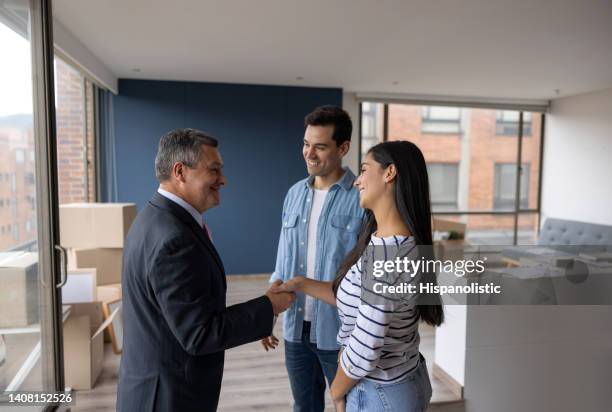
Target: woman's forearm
(342,384)
(318,289)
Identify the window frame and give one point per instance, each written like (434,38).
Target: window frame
(505,128)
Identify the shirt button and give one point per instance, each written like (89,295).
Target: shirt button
(302,243)
(286,223)
(308,200)
(302,266)
(348,227)
(299,309)
(304,220)
(350,367)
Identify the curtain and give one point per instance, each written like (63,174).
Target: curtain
(108,160)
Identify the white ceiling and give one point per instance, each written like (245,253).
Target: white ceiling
(523,49)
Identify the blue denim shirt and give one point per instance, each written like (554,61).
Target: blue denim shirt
(337,231)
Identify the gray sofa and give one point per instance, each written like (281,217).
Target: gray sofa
(569,236)
(569,232)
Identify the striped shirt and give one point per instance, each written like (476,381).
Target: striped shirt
(380,342)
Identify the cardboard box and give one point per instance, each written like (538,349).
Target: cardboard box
(84,346)
(107,262)
(93,310)
(95,225)
(442,225)
(81,286)
(19,300)
(109,293)
(449,249)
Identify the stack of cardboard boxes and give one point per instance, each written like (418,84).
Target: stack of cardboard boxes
(19,292)
(94,234)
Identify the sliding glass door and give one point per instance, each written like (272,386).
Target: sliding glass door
(30,316)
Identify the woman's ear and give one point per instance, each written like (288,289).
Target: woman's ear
(390,173)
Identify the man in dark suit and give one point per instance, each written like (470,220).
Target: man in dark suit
(177,325)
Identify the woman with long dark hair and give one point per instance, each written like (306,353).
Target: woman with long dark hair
(381,367)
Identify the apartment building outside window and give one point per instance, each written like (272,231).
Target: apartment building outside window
(472,171)
(507,123)
(444,185)
(441,120)
(505,186)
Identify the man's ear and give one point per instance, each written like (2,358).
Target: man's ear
(344,148)
(178,172)
(390,173)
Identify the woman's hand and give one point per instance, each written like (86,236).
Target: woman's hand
(292,285)
(340,405)
(271,342)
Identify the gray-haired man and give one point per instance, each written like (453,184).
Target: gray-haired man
(177,326)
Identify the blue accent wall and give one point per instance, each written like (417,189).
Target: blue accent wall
(260,129)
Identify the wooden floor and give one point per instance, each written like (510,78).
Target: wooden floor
(254,380)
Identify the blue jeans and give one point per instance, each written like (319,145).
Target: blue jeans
(411,394)
(308,367)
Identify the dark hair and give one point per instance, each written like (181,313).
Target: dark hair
(332,116)
(413,203)
(180,145)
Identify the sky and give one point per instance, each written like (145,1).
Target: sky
(15,73)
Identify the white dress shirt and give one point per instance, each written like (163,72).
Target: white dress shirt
(176,199)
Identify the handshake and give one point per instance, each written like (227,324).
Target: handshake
(280,296)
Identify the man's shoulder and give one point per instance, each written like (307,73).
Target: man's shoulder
(158,226)
(298,187)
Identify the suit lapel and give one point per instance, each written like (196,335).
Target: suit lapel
(178,211)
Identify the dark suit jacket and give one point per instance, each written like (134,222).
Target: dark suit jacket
(176,323)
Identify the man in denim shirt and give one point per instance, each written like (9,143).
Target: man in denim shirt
(321,222)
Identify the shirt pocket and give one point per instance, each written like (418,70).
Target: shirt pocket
(290,220)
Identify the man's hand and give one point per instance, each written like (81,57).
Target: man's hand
(280,300)
(292,285)
(271,342)
(340,405)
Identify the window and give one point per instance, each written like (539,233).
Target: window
(445,120)
(19,156)
(16,231)
(75,131)
(505,186)
(507,123)
(443,184)
(371,126)
(464,184)
(29,178)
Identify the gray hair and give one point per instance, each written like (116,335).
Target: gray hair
(180,145)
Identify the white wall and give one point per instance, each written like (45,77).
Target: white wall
(351,105)
(449,352)
(70,48)
(578,159)
(538,358)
